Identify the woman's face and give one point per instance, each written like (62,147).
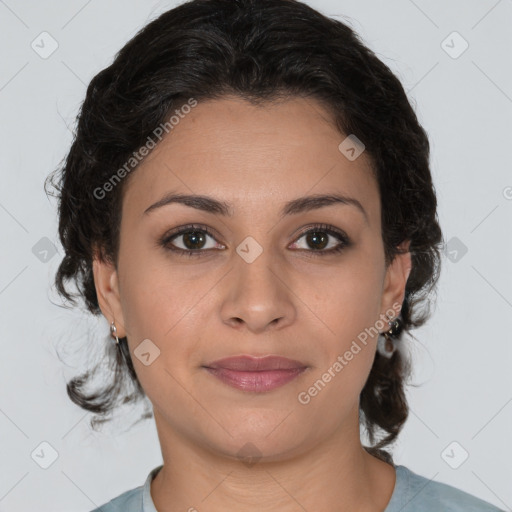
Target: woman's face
(256,284)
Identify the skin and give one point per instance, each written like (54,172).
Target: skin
(289,301)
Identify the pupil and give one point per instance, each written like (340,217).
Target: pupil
(191,238)
(315,237)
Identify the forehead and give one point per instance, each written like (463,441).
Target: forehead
(252,156)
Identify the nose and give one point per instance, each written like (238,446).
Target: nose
(257,296)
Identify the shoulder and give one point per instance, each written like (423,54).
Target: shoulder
(134,500)
(129,501)
(417,493)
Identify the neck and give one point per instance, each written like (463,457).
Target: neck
(334,475)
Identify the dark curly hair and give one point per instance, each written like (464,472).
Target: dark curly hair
(261,51)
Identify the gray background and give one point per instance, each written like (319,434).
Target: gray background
(462,357)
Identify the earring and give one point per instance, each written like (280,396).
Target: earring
(386,345)
(113,332)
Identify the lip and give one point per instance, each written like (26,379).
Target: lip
(258,374)
(246,363)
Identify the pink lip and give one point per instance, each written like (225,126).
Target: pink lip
(255,381)
(256,374)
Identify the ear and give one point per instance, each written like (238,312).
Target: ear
(107,290)
(397,273)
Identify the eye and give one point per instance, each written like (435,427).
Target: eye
(322,239)
(189,240)
(192,240)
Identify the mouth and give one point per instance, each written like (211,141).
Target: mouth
(256,374)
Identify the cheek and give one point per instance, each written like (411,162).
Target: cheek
(348,304)
(348,298)
(345,355)
(153,291)
(162,305)
(163,315)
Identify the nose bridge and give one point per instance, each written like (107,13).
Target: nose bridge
(256,269)
(257,295)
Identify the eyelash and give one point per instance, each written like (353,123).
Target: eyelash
(323,228)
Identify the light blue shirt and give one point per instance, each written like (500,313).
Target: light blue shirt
(412,493)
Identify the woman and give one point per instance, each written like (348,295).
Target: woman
(249,203)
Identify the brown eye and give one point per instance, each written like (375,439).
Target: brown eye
(190,240)
(323,240)
(194,239)
(317,239)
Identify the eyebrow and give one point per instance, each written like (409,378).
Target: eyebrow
(293,207)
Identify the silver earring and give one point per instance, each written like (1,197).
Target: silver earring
(113,332)
(386,345)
